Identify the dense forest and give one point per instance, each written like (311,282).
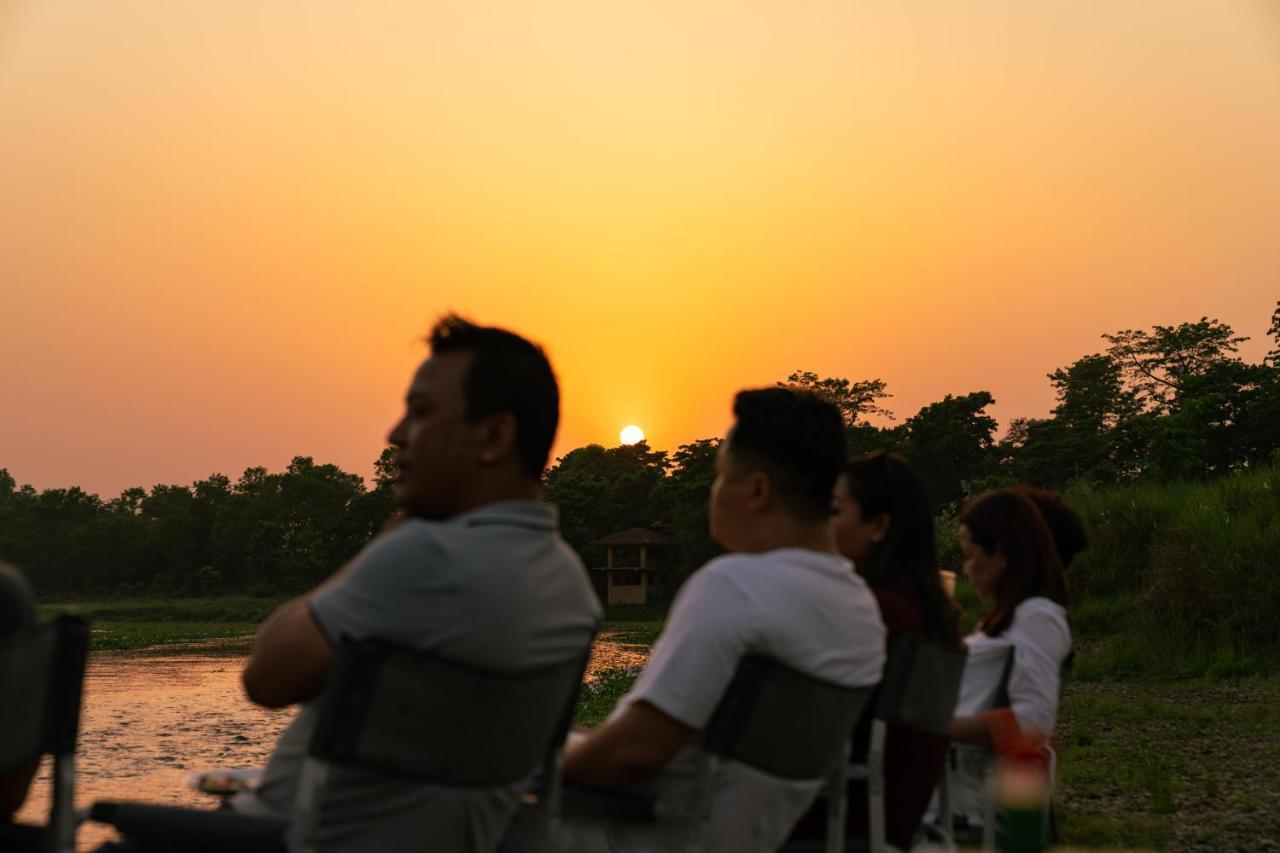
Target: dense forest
(1164,405)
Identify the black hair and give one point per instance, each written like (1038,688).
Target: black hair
(1007,521)
(798,439)
(1064,524)
(507,374)
(907,559)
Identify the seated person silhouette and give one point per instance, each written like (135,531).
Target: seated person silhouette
(474,570)
(17,613)
(782,592)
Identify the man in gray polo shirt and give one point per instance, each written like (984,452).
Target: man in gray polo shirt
(473,569)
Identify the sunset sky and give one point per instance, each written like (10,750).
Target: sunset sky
(224,227)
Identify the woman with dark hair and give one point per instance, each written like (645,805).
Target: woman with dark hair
(1009,695)
(882,521)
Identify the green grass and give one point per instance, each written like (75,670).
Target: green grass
(216,609)
(129,624)
(129,636)
(599,696)
(1183,764)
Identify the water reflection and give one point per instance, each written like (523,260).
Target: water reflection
(151,718)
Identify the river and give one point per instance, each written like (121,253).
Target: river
(151,718)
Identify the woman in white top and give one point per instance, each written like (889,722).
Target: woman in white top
(1008,704)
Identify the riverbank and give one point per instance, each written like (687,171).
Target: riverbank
(136,624)
(1186,760)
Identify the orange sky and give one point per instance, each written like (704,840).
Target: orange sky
(224,226)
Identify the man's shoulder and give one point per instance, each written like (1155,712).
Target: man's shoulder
(410,539)
(764,561)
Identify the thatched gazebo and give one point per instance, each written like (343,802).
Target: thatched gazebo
(637,562)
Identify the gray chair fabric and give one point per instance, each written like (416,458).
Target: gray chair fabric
(920,689)
(41,680)
(784,722)
(921,684)
(418,716)
(772,718)
(401,711)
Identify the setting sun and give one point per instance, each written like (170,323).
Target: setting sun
(631,434)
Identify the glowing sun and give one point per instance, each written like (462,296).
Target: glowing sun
(631,434)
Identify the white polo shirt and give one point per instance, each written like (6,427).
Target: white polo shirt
(805,609)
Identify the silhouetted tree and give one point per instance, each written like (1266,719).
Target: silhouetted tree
(600,491)
(952,444)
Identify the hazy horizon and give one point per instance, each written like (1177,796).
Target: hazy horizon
(227,228)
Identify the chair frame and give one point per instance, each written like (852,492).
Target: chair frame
(349,682)
(989,816)
(903,679)
(738,732)
(63,686)
(355,665)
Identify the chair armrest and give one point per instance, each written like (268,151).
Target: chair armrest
(603,802)
(22,838)
(226,782)
(192,829)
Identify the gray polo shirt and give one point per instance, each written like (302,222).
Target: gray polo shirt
(496,587)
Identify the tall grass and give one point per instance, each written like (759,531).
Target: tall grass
(1179,579)
(1201,560)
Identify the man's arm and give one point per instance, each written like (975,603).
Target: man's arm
(290,658)
(625,750)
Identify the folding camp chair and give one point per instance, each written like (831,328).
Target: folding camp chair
(772,718)
(920,688)
(41,680)
(919,691)
(403,712)
(990,816)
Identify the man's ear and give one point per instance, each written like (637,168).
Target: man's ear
(497,437)
(759,491)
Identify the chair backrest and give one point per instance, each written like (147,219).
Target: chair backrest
(784,722)
(41,680)
(416,715)
(921,684)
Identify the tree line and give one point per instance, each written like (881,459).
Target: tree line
(1170,403)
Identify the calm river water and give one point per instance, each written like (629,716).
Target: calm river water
(152,718)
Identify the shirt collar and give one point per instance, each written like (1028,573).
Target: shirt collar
(537,515)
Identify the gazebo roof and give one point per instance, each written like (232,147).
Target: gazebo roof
(637,536)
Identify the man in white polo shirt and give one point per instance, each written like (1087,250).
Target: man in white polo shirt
(475,571)
(783,592)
